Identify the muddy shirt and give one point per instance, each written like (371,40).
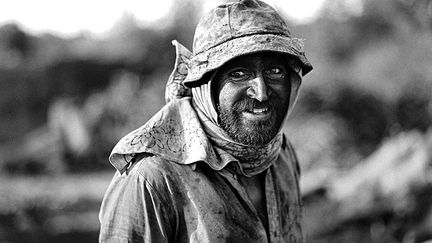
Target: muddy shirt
(156,200)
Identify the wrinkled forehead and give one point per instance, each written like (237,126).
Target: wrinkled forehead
(266,58)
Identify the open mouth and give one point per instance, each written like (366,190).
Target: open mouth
(253,109)
(260,110)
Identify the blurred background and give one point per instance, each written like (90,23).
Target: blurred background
(75,77)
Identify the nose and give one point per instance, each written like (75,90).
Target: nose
(258,89)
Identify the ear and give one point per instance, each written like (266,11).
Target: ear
(175,88)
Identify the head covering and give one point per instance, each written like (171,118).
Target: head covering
(239,28)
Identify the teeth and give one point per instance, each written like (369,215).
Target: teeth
(262,110)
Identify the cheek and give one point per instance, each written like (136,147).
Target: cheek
(282,92)
(229,94)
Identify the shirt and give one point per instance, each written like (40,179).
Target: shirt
(157,200)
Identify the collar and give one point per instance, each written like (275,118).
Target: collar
(174,134)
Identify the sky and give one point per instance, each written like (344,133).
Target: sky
(71,17)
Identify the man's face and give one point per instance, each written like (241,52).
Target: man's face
(252,94)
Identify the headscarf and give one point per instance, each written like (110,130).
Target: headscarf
(250,160)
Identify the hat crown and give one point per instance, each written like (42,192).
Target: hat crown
(233,20)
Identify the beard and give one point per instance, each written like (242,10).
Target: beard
(251,132)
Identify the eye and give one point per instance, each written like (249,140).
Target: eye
(275,73)
(238,74)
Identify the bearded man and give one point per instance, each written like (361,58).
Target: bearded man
(213,165)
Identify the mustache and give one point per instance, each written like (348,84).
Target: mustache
(248,104)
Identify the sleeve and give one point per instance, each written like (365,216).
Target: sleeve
(132,211)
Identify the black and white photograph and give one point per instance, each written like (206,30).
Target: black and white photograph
(212,121)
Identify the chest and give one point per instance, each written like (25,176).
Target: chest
(217,209)
(256,192)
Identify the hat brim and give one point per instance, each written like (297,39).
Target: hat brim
(215,57)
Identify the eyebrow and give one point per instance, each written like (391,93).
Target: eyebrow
(239,63)
(249,63)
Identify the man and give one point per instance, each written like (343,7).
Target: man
(213,165)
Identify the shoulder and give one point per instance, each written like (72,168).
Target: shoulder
(287,175)
(145,177)
(153,168)
(293,157)
(288,157)
(150,175)
(139,201)
(159,174)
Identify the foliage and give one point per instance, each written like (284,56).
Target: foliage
(47,209)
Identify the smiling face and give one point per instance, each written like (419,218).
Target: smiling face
(252,94)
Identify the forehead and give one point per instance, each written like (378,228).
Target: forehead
(265,58)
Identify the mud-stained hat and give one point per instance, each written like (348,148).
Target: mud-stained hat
(239,28)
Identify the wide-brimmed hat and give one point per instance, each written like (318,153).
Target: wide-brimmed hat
(235,29)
